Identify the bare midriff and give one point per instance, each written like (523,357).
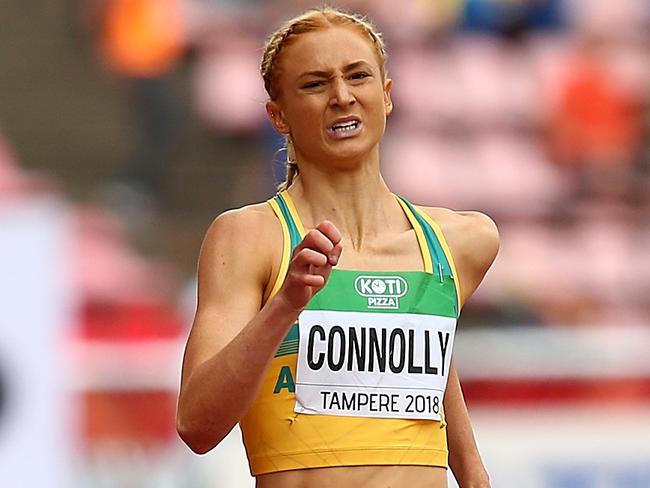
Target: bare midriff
(357,476)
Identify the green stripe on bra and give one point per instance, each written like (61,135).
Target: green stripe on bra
(435,248)
(293,229)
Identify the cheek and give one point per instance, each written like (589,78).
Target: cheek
(378,110)
(297,108)
(305,129)
(303,123)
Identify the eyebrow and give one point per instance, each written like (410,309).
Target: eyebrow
(327,74)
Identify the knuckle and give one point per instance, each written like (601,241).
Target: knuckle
(313,235)
(304,253)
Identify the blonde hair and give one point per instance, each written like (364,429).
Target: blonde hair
(312,20)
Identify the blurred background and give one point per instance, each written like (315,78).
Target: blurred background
(126,126)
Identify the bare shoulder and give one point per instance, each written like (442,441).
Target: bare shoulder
(466,228)
(244,225)
(247,237)
(473,238)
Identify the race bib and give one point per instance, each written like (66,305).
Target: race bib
(367,364)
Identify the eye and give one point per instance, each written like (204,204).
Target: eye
(359,75)
(313,84)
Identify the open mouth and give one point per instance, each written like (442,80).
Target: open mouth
(346,126)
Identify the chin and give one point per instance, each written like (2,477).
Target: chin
(350,151)
(347,159)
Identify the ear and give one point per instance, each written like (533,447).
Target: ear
(276,117)
(388,102)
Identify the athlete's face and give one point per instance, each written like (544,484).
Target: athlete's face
(332,99)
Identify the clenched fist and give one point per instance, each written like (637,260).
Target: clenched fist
(311,265)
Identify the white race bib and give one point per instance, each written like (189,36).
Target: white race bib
(365,364)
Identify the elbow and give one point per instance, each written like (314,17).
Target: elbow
(195,438)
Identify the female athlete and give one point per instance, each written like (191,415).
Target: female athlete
(326,316)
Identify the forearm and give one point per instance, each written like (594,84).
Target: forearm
(464,458)
(219,391)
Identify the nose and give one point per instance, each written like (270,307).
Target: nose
(342,96)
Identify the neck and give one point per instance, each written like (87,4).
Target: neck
(356,200)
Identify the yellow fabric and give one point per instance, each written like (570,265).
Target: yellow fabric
(278,439)
(294,213)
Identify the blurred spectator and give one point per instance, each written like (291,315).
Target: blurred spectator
(595,128)
(142,39)
(142,43)
(596,114)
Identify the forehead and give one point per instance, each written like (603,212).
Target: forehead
(327,49)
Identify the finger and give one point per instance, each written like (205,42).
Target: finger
(316,240)
(314,280)
(329,230)
(324,271)
(306,257)
(335,254)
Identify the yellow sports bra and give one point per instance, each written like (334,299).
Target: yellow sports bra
(360,378)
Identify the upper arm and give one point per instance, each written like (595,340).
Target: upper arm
(475,247)
(235,265)
(473,240)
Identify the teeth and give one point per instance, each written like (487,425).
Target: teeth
(347,126)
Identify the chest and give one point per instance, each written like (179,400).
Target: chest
(399,251)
